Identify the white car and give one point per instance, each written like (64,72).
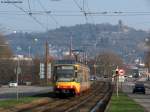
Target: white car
(13,84)
(130,76)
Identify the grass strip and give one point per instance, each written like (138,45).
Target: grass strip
(123,103)
(13,102)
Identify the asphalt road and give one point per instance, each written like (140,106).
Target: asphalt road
(9,93)
(142,99)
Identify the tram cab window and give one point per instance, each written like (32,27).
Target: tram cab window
(64,73)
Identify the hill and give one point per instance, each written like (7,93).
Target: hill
(122,39)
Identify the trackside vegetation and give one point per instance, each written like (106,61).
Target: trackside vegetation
(13,102)
(123,103)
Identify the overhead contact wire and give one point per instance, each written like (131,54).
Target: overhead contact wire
(30,15)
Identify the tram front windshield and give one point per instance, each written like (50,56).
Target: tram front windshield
(64,74)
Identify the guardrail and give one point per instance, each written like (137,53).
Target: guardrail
(102,104)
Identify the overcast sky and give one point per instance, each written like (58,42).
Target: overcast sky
(68,12)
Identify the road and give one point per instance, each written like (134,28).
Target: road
(8,93)
(143,100)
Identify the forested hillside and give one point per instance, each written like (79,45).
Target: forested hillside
(100,37)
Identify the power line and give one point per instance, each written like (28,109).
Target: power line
(30,15)
(92,28)
(29,6)
(76,13)
(83,4)
(8,1)
(109,15)
(78,5)
(90,15)
(48,13)
(82,10)
(72,15)
(26,11)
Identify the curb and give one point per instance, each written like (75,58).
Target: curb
(102,104)
(145,110)
(108,105)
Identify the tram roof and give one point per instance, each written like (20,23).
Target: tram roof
(66,62)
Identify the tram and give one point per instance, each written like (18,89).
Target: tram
(70,77)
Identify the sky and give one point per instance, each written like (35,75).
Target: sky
(51,14)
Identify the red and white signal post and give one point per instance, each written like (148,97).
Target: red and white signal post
(121,72)
(117,73)
(119,78)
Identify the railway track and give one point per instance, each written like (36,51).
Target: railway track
(83,103)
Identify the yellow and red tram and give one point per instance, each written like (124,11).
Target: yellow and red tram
(70,77)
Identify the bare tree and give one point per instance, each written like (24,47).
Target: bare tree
(147,60)
(106,62)
(36,70)
(6,65)
(147,53)
(7,72)
(5,51)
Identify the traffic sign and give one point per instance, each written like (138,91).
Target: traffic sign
(17,70)
(117,71)
(121,72)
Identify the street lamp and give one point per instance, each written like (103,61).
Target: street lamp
(30,47)
(29,51)
(18,71)
(14,32)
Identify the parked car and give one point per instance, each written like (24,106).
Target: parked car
(13,84)
(139,88)
(92,78)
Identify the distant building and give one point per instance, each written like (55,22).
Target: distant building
(21,57)
(122,27)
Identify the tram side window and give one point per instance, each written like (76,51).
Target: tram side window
(86,75)
(54,74)
(79,76)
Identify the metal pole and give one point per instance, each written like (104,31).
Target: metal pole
(95,69)
(70,52)
(117,85)
(18,67)
(46,61)
(117,81)
(29,51)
